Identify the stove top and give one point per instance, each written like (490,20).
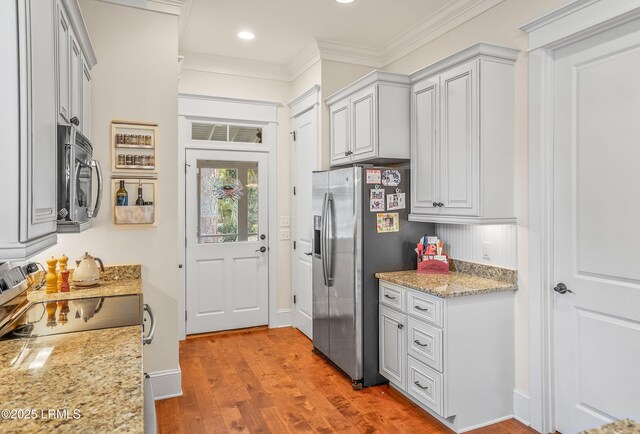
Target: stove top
(67,316)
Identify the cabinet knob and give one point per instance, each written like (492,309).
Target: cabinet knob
(435,204)
(75,121)
(440,204)
(346,154)
(400,326)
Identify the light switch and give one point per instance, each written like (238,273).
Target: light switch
(285,234)
(285,221)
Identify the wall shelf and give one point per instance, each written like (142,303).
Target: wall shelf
(134,215)
(128,155)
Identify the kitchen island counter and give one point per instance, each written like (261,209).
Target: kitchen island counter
(76,382)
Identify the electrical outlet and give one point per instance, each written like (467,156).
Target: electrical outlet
(285,234)
(486,250)
(285,221)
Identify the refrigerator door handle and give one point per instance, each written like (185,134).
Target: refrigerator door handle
(329,250)
(323,240)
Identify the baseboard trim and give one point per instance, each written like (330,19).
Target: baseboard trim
(284,318)
(521,407)
(483,424)
(166,384)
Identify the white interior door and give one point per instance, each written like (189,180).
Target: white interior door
(304,158)
(596,231)
(226,230)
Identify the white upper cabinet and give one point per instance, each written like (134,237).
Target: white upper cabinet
(43,44)
(75,60)
(64,62)
(370,120)
(462,138)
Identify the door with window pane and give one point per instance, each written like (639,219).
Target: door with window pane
(227,245)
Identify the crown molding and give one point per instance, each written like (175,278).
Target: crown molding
(171,7)
(476,50)
(305,59)
(82,34)
(370,78)
(447,18)
(349,53)
(204,62)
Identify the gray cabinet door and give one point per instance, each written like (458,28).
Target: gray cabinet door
(363,124)
(38,188)
(393,355)
(425,167)
(63,50)
(459,149)
(340,146)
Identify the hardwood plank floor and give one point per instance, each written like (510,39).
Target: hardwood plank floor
(269,381)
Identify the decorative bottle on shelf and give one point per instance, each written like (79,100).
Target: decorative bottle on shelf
(51,278)
(140,200)
(122,197)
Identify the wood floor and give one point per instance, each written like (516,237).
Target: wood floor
(269,381)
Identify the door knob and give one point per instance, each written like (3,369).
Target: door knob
(261,249)
(562,288)
(308,253)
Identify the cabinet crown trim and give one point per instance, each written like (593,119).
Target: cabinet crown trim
(369,79)
(477,50)
(80,29)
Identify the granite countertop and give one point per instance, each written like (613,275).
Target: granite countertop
(115,280)
(454,284)
(97,374)
(623,426)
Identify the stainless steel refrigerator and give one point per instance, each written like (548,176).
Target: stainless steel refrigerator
(348,250)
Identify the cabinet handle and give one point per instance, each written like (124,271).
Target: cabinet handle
(417,383)
(346,154)
(420,343)
(423,309)
(400,326)
(435,204)
(390,297)
(440,204)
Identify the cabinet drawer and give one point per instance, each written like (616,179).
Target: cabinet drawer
(425,385)
(424,342)
(392,295)
(425,307)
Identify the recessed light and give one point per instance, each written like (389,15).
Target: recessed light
(344,1)
(246,35)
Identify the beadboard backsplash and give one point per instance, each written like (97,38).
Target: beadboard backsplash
(466,242)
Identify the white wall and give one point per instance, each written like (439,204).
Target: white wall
(499,25)
(136,79)
(225,85)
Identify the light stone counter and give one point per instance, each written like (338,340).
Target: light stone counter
(115,280)
(624,426)
(447,285)
(96,373)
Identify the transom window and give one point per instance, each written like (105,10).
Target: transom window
(217,132)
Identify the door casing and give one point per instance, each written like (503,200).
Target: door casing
(193,107)
(561,27)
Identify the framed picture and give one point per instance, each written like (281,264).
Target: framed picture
(388,222)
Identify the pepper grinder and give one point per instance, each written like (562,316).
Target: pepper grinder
(64,281)
(52,277)
(63,266)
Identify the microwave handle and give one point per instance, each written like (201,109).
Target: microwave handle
(95,164)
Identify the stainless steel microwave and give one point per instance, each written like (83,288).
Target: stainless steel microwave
(76,168)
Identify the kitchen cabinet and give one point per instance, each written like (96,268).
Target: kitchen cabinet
(370,120)
(75,60)
(451,356)
(31,92)
(462,138)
